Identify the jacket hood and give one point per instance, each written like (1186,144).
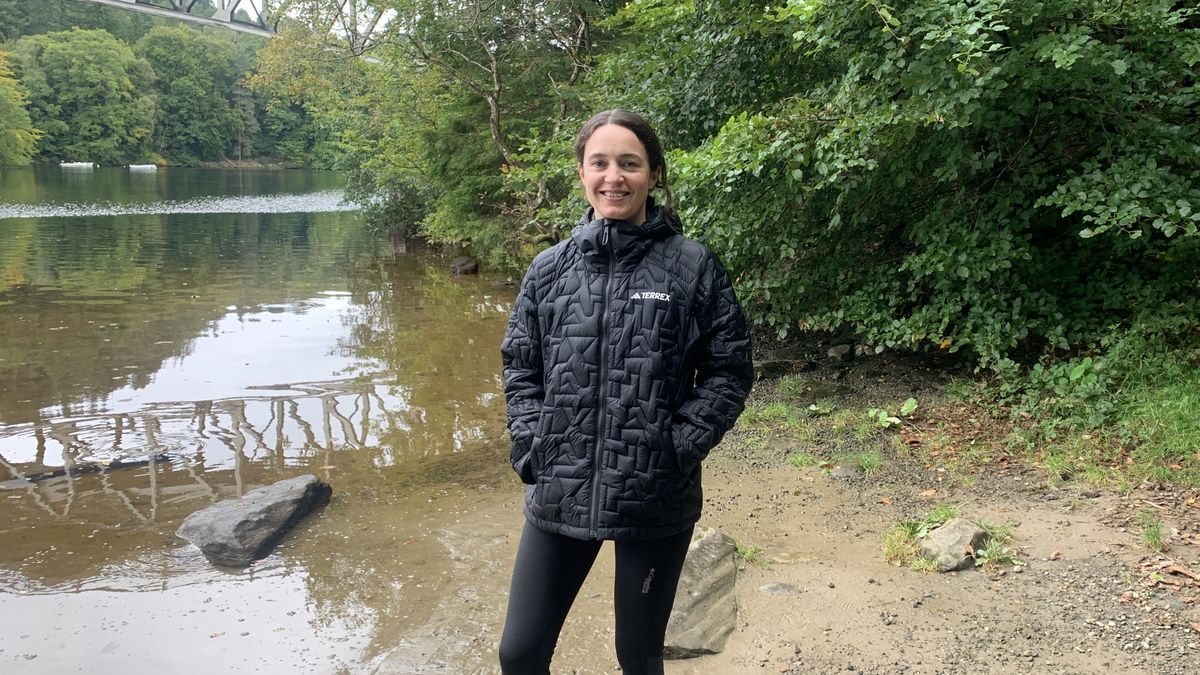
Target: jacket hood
(600,239)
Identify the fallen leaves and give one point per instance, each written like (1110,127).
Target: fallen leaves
(1055,554)
(928,493)
(1180,569)
(1168,573)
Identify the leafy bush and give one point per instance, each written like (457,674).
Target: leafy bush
(953,179)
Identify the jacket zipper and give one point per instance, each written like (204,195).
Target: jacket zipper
(603,394)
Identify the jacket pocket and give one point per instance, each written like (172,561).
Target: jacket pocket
(685,452)
(520,454)
(524,467)
(524,455)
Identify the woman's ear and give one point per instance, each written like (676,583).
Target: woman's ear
(579,170)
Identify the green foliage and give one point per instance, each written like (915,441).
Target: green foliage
(18,138)
(88,92)
(51,16)
(195,115)
(869,461)
(802,460)
(771,413)
(188,81)
(946,177)
(694,72)
(886,420)
(938,515)
(316,101)
(14,19)
(745,554)
(995,553)
(819,408)
(791,386)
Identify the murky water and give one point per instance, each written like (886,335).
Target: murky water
(217,331)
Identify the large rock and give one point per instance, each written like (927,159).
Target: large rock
(240,531)
(705,609)
(841,353)
(464,265)
(953,544)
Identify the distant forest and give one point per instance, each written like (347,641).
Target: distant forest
(83,82)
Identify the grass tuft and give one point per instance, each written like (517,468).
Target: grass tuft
(802,459)
(900,543)
(923,564)
(870,461)
(994,553)
(1152,532)
(749,555)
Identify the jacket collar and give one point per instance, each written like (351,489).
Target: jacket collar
(602,239)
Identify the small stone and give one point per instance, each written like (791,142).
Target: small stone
(779,588)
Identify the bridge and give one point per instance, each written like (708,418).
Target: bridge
(355,23)
(257,17)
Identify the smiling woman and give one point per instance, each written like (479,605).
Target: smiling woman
(616,174)
(626,359)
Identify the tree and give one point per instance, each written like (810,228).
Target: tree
(195,117)
(89,93)
(51,16)
(18,138)
(14,19)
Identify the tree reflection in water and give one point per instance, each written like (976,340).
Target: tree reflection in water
(405,418)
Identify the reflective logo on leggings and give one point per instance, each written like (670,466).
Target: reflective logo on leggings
(646,583)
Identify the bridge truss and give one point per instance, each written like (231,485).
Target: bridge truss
(257,17)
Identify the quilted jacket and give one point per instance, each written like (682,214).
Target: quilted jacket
(626,359)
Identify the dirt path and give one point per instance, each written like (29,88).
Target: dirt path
(1089,596)
(824,600)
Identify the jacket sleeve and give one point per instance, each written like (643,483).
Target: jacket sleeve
(523,376)
(724,369)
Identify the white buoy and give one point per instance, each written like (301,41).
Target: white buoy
(143,167)
(77,165)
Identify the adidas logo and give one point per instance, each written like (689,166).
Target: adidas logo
(650,295)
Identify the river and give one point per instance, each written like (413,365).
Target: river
(235,328)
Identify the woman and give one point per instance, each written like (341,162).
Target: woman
(626,360)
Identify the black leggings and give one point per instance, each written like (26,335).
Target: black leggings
(549,571)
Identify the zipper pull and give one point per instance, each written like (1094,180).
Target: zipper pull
(604,237)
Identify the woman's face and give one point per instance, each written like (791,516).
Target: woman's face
(616,174)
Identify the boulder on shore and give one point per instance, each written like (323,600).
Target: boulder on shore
(464,265)
(953,544)
(239,531)
(705,609)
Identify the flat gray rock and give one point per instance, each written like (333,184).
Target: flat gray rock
(705,609)
(240,531)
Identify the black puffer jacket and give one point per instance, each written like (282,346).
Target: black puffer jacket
(627,358)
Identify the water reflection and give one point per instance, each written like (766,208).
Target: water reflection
(215,353)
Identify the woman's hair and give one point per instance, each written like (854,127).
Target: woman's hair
(654,150)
